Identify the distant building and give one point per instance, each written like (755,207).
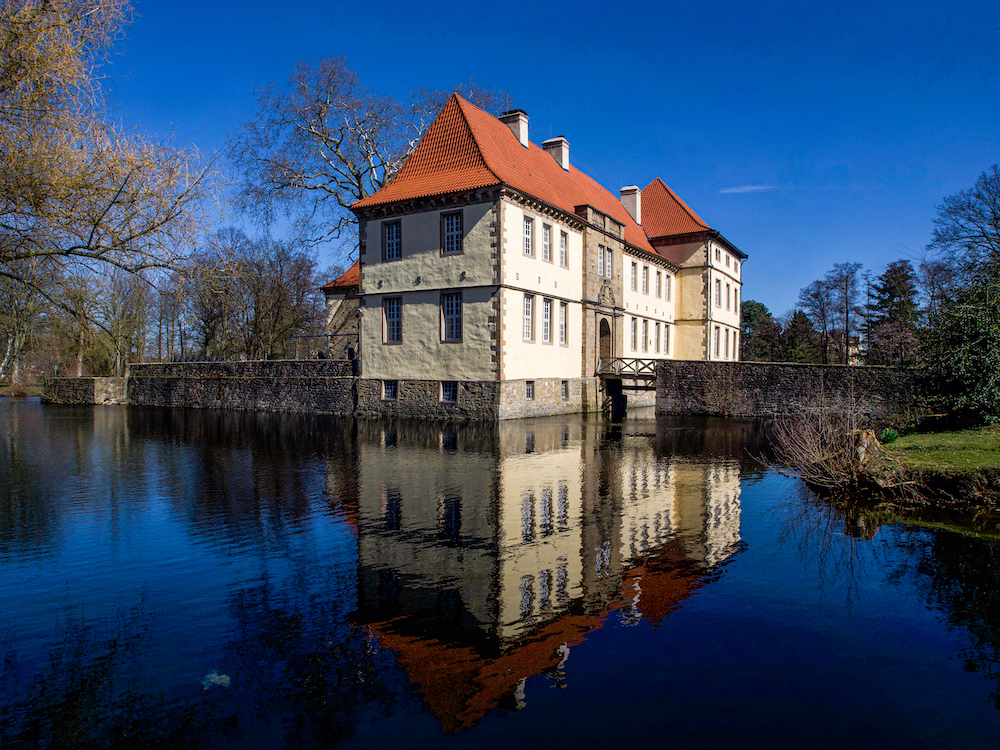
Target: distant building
(494,277)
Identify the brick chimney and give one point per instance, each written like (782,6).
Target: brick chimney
(559,148)
(632,200)
(517,121)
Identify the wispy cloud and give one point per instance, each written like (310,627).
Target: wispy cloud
(749,189)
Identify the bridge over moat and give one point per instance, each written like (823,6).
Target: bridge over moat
(620,374)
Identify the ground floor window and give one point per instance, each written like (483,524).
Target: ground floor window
(666,339)
(717,341)
(390,390)
(635,328)
(529,390)
(564,390)
(449,390)
(656,339)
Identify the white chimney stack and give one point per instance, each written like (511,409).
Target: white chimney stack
(517,121)
(558,147)
(632,200)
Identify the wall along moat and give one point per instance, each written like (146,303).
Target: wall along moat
(181,578)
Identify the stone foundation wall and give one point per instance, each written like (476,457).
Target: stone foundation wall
(316,386)
(478,399)
(548,398)
(84,391)
(766,389)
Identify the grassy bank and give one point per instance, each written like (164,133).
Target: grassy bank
(958,469)
(20,390)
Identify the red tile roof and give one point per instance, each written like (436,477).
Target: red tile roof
(664,214)
(350,277)
(466,148)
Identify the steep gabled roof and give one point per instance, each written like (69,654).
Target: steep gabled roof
(664,214)
(466,148)
(350,277)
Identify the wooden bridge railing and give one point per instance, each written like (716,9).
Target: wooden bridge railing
(628,368)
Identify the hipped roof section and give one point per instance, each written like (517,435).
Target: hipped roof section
(466,148)
(350,277)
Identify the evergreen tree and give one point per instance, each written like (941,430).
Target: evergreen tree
(892,316)
(799,340)
(759,335)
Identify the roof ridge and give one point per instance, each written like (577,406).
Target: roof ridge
(462,103)
(687,209)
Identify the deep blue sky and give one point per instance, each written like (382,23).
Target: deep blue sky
(808,134)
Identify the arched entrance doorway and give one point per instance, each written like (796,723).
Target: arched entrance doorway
(605,348)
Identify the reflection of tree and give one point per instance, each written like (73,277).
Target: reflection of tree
(960,576)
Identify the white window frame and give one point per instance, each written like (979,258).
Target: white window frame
(666,339)
(659,284)
(563,312)
(729,294)
(716,341)
(645,335)
(669,284)
(635,274)
(607,262)
(546,242)
(645,279)
(656,338)
(528,329)
(600,260)
(635,332)
(562,248)
(529,247)
(718,293)
(546,320)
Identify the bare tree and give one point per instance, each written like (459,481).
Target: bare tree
(324,141)
(846,297)
(816,301)
(75,189)
(20,312)
(967,226)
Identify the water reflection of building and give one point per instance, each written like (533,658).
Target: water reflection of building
(486,555)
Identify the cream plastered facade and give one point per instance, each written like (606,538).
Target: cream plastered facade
(646,307)
(419,278)
(523,274)
(696,314)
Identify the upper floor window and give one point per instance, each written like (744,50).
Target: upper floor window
(392,320)
(451,316)
(659,284)
(645,334)
(728,296)
(529,248)
(666,339)
(600,260)
(529,304)
(546,320)
(656,339)
(635,332)
(392,241)
(546,235)
(635,273)
(562,249)
(562,322)
(451,231)
(607,262)
(718,293)
(645,279)
(717,341)
(669,279)
(718,254)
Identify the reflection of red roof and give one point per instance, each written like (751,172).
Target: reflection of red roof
(466,148)
(665,214)
(459,686)
(350,277)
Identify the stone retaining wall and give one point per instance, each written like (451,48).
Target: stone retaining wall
(766,389)
(85,391)
(478,399)
(316,386)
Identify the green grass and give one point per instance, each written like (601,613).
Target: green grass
(20,390)
(950,452)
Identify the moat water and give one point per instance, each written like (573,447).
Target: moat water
(184,578)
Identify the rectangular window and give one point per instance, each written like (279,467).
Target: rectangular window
(529,328)
(717,341)
(392,241)
(607,262)
(528,247)
(645,335)
(718,255)
(562,249)
(736,346)
(546,235)
(726,354)
(666,340)
(451,316)
(562,322)
(656,339)
(659,284)
(737,306)
(600,260)
(645,279)
(546,320)
(635,273)
(449,391)
(564,390)
(635,328)
(390,390)
(718,293)
(669,279)
(451,233)
(727,260)
(529,390)
(392,320)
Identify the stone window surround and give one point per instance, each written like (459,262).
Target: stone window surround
(445,298)
(390,390)
(386,303)
(528,318)
(449,391)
